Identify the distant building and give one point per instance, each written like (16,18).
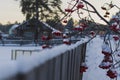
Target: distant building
(31,29)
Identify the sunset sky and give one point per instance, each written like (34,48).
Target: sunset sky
(10,10)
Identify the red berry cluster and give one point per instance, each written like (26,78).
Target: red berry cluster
(112,73)
(46,46)
(83,67)
(107,62)
(78,5)
(66,41)
(81,27)
(115,25)
(92,33)
(116,38)
(57,33)
(46,40)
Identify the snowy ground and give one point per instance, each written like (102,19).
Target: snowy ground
(94,58)
(10,67)
(6,51)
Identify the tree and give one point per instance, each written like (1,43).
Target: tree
(70,24)
(0,24)
(44,9)
(111,53)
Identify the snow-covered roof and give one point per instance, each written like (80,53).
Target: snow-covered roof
(50,27)
(12,28)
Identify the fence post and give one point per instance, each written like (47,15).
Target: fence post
(57,68)
(69,65)
(72,64)
(12,54)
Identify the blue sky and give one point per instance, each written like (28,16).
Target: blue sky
(10,10)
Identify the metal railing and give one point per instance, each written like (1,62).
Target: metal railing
(15,53)
(25,42)
(65,66)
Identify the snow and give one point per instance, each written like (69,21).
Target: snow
(5,51)
(12,28)
(50,27)
(24,63)
(10,67)
(93,60)
(7,69)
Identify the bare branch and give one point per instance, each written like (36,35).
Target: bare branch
(88,10)
(96,11)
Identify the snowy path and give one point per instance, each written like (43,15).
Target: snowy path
(94,58)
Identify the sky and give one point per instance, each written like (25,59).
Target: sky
(10,10)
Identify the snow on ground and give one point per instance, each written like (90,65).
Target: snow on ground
(94,58)
(5,51)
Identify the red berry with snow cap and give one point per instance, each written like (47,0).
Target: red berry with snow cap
(112,73)
(92,33)
(106,50)
(80,5)
(66,41)
(105,65)
(83,67)
(64,21)
(56,33)
(116,38)
(78,29)
(45,46)
(69,10)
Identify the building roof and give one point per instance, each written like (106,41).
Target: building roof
(33,24)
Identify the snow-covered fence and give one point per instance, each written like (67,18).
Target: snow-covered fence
(59,63)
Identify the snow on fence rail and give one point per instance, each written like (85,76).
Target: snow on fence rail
(59,63)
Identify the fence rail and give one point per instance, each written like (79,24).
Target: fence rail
(15,53)
(24,42)
(65,66)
